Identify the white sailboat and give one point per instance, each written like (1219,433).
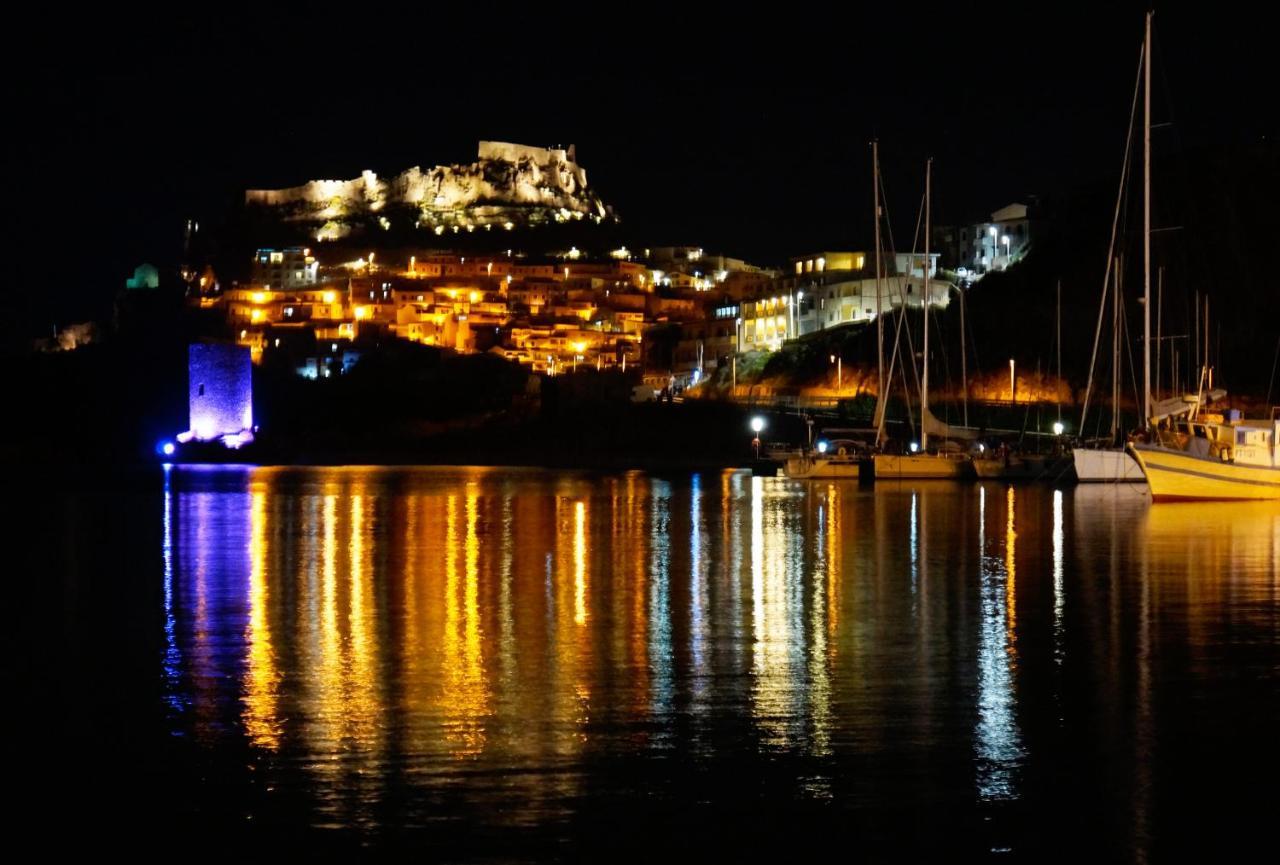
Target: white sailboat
(943,462)
(1110,462)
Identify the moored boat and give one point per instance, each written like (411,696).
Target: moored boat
(817,466)
(1020,467)
(912,466)
(838,458)
(1213,459)
(1105,465)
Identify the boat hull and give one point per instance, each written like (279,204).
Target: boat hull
(1179,476)
(809,467)
(895,466)
(1021,468)
(1106,465)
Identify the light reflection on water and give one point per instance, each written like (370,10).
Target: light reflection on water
(488,638)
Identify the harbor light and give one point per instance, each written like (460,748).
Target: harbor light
(1058,428)
(757,424)
(915,447)
(822,446)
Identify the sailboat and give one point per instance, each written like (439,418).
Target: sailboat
(1192,456)
(942,463)
(844,459)
(1111,462)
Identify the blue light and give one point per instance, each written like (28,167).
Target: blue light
(166,448)
(221,390)
(822,446)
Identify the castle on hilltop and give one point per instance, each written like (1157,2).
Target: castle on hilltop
(508,185)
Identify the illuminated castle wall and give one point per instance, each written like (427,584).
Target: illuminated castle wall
(221,390)
(508,183)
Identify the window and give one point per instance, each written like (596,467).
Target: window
(202,390)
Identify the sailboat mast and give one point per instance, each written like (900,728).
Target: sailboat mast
(1159,327)
(1146,226)
(964,370)
(1115,351)
(875,211)
(924,386)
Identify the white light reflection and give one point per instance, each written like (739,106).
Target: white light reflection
(778,645)
(697,590)
(915,551)
(998,745)
(660,646)
(1058,598)
(172,657)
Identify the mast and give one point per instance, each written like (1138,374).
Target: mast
(924,386)
(1057,389)
(1115,352)
(875,211)
(1115,221)
(964,372)
(1159,325)
(1146,225)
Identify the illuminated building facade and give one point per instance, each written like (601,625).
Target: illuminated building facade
(993,244)
(283,269)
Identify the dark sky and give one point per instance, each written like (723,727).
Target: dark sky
(745,132)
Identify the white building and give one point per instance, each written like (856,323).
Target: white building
(281,269)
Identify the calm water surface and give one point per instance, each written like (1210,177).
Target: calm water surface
(499,664)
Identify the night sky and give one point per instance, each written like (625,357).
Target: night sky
(745,135)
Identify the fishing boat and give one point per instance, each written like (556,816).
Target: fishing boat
(1187,454)
(1213,457)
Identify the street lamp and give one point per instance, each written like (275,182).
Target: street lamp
(839,362)
(1005,241)
(1058,428)
(994,247)
(757,424)
(1012,383)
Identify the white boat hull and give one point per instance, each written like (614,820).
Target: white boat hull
(1106,465)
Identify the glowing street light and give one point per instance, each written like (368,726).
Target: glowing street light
(1058,428)
(757,424)
(839,362)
